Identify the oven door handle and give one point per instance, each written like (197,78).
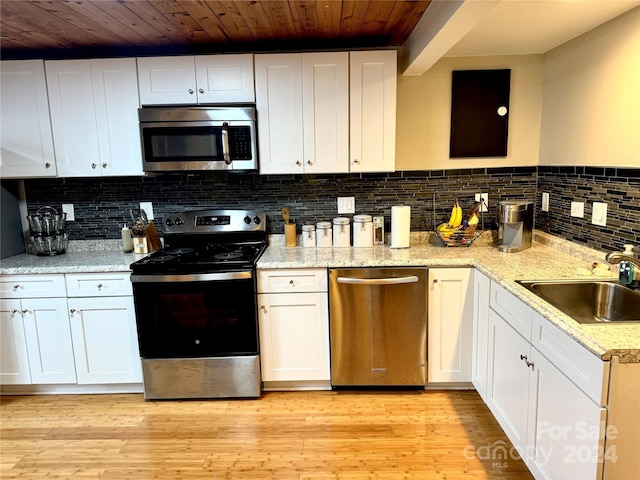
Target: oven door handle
(199,277)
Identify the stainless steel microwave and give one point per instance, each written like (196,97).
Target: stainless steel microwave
(198,138)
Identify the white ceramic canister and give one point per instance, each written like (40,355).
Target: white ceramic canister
(308,235)
(341,232)
(323,234)
(362,231)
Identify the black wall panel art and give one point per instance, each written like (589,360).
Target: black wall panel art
(479,113)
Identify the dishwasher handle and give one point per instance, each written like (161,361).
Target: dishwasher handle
(378,281)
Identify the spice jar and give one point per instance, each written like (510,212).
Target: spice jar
(323,234)
(341,233)
(362,231)
(308,235)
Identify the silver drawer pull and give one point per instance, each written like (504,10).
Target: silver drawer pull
(263,308)
(378,281)
(72,311)
(14,311)
(100,286)
(25,311)
(292,283)
(16,287)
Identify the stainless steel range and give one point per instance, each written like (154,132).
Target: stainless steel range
(195,303)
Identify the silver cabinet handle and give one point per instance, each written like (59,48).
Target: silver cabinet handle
(299,163)
(378,281)
(14,311)
(523,357)
(16,287)
(356,161)
(190,91)
(530,365)
(25,311)
(94,165)
(99,286)
(435,280)
(201,90)
(291,282)
(225,143)
(309,162)
(47,165)
(104,165)
(263,308)
(72,311)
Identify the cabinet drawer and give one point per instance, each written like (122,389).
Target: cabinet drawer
(32,286)
(98,284)
(518,314)
(581,366)
(303,280)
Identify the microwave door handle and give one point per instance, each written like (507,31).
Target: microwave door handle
(225,143)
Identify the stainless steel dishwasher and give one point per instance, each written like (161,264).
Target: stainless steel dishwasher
(378,319)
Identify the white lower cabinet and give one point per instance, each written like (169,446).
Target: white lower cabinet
(547,392)
(104,340)
(479,369)
(35,336)
(88,338)
(294,325)
(103,326)
(450,325)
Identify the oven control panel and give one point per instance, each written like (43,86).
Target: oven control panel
(202,221)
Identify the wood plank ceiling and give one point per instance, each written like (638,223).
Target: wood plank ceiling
(73,28)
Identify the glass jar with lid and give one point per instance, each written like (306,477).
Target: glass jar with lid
(362,231)
(341,232)
(323,234)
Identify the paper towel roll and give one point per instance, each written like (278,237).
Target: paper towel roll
(400,226)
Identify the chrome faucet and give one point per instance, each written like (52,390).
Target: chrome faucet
(617,257)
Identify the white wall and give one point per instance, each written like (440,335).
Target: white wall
(591,97)
(424,113)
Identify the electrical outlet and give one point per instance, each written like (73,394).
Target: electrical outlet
(484,207)
(577,209)
(346,204)
(599,215)
(545,201)
(68,209)
(148,209)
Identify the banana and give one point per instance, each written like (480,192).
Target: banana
(474,219)
(456,215)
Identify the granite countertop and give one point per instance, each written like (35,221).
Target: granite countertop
(548,258)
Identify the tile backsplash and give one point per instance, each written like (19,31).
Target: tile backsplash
(102,205)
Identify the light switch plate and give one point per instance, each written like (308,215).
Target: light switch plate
(68,209)
(545,201)
(599,215)
(346,204)
(577,209)
(148,209)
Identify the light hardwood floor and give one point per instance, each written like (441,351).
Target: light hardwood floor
(283,436)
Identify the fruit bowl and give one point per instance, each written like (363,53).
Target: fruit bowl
(458,238)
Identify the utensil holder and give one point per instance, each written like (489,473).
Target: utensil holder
(290,235)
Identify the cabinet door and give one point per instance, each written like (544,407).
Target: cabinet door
(14,359)
(46,326)
(508,381)
(373,85)
(294,336)
(26,141)
(325,92)
(565,435)
(450,325)
(167,80)
(279,103)
(115,88)
(105,340)
(481,292)
(73,118)
(225,78)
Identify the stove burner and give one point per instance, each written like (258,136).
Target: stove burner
(162,258)
(179,251)
(229,255)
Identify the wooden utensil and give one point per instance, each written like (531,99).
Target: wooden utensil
(285,214)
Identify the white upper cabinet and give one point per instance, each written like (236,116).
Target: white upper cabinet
(193,80)
(303,105)
(279,106)
(373,80)
(94,107)
(26,142)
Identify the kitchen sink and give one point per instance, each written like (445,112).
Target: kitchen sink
(589,302)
